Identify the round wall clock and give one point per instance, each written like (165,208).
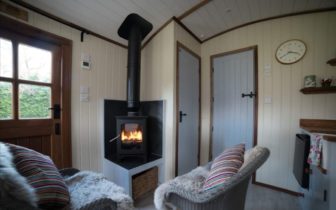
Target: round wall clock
(291,51)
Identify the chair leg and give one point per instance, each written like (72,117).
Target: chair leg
(171,206)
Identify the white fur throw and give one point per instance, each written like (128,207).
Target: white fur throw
(192,182)
(15,192)
(86,187)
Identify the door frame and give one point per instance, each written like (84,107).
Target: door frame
(254,48)
(177,105)
(65,46)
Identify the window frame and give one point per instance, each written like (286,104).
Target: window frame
(17,39)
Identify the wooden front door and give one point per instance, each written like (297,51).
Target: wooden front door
(32,102)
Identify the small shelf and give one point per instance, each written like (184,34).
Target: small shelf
(318,90)
(332,62)
(329,138)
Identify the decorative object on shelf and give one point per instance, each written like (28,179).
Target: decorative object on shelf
(332,62)
(290,51)
(326,82)
(310,81)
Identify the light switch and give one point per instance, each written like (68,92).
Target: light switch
(84,97)
(267,66)
(84,89)
(268,99)
(267,70)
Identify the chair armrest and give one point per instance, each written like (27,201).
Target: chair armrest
(68,171)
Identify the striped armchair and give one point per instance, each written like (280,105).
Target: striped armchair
(230,196)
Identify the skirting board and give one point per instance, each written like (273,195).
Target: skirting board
(278,189)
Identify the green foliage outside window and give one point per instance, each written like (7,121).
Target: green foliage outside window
(34,101)
(5,101)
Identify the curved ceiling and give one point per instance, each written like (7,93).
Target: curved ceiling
(105,16)
(221,15)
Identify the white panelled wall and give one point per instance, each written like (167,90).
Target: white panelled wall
(278,122)
(157,83)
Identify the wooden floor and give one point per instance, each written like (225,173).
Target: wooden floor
(258,198)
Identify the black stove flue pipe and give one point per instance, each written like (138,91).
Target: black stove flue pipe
(134,29)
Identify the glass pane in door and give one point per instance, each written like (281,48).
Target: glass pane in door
(6,101)
(35,64)
(6,58)
(34,102)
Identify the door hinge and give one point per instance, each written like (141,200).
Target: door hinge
(325,192)
(212,70)
(212,128)
(213,99)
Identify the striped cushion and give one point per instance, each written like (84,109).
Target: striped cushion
(41,173)
(225,166)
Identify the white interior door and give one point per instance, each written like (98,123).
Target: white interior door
(188,110)
(233,114)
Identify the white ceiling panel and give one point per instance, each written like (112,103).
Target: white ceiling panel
(105,16)
(227,14)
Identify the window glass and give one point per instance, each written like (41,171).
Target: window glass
(6,58)
(34,102)
(34,64)
(6,100)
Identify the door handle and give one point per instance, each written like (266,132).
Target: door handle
(56,110)
(182,115)
(251,95)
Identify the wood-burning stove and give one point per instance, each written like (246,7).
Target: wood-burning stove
(132,128)
(133,137)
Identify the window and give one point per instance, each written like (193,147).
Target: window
(25,80)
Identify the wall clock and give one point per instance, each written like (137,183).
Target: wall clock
(291,51)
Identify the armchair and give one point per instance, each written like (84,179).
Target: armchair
(230,196)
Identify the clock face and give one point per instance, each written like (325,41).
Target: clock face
(290,51)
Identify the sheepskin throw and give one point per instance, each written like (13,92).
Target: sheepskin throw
(42,174)
(225,166)
(15,192)
(87,187)
(191,182)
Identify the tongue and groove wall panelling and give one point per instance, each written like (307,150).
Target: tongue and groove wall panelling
(158,83)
